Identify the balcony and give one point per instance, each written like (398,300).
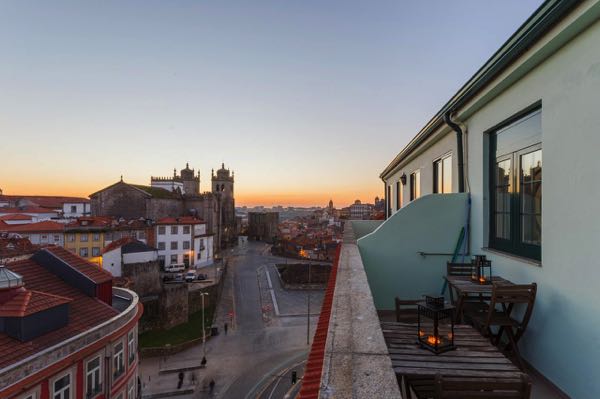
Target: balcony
(379,260)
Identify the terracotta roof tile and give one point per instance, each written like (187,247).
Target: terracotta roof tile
(118,243)
(181,220)
(92,271)
(28,302)
(16,216)
(46,226)
(84,312)
(26,209)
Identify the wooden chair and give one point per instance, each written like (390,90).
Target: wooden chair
(500,314)
(464,270)
(406,310)
(482,388)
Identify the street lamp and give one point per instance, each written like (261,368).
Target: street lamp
(202,294)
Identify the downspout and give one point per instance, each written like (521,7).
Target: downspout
(459,152)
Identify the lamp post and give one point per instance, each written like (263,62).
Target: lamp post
(203,330)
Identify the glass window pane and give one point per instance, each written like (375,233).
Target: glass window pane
(447,180)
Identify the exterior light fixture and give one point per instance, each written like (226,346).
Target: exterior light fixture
(435,325)
(403,179)
(481,270)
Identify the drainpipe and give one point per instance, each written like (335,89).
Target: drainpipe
(459,145)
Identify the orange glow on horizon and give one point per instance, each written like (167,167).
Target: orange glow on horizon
(302,199)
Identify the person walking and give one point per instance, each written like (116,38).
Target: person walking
(211,386)
(225,328)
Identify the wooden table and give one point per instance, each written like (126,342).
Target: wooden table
(474,356)
(466,288)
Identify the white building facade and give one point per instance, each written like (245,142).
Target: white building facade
(510,122)
(183,241)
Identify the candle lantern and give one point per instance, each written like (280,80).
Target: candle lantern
(481,270)
(435,324)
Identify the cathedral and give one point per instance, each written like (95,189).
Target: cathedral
(173,196)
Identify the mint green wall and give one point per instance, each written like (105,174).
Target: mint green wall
(363,227)
(390,254)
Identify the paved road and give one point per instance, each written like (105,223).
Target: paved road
(253,352)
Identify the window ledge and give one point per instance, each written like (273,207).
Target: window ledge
(509,255)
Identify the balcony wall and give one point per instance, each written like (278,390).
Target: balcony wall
(391,252)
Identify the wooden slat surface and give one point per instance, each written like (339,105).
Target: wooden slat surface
(465,286)
(474,356)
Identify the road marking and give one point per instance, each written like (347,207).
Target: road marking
(275,306)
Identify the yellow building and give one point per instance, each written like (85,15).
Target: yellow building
(86,237)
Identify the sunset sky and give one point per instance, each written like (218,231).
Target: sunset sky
(304,100)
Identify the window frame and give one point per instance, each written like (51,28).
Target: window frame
(131,347)
(514,244)
(162,230)
(174,230)
(70,387)
(440,161)
(82,250)
(83,237)
(413,179)
(118,358)
(89,373)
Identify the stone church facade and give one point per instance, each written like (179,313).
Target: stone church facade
(172,197)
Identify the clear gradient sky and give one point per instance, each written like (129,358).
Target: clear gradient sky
(305,100)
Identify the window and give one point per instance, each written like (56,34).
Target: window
(83,237)
(199,255)
(186,229)
(83,252)
(93,377)
(71,237)
(32,395)
(118,363)
(389,201)
(73,209)
(442,175)
(516,187)
(61,388)
(415,185)
(161,260)
(201,244)
(131,349)
(186,260)
(44,238)
(131,389)
(174,229)
(96,237)
(173,259)
(398,195)
(56,238)
(96,251)
(161,230)
(173,244)
(161,246)
(186,245)
(141,235)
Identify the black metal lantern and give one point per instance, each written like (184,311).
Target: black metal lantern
(436,324)
(403,179)
(481,270)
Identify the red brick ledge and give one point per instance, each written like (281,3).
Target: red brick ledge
(311,382)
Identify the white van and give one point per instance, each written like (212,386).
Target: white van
(174,268)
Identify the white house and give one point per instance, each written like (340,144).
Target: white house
(39,233)
(183,240)
(75,209)
(124,252)
(533,106)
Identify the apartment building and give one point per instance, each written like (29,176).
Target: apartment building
(183,240)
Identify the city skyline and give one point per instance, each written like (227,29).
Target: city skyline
(304,102)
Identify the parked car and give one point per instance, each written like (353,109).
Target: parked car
(178,277)
(202,276)
(174,268)
(190,276)
(167,278)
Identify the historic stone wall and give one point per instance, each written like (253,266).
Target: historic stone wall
(120,200)
(157,208)
(145,277)
(173,305)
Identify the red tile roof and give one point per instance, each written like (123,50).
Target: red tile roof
(16,216)
(45,201)
(26,209)
(47,226)
(12,246)
(92,271)
(28,302)
(118,243)
(90,221)
(181,220)
(311,381)
(84,312)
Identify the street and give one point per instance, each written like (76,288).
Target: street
(259,346)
